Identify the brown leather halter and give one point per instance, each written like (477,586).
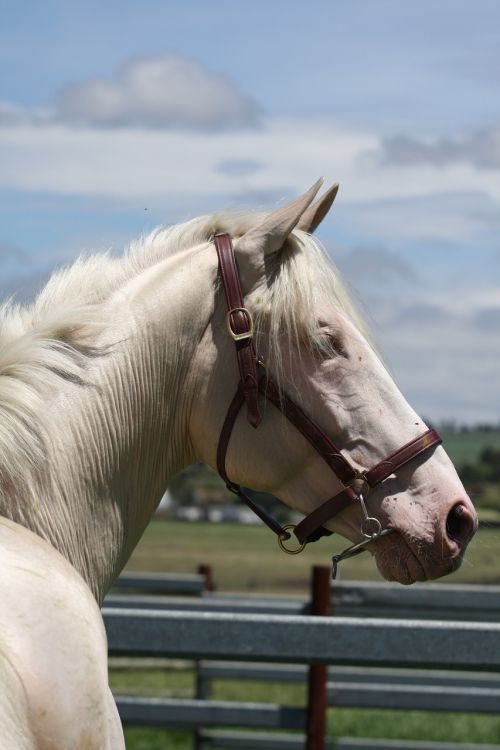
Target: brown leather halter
(255,381)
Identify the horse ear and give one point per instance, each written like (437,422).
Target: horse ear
(269,236)
(314,215)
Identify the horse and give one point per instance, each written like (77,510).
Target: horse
(121,373)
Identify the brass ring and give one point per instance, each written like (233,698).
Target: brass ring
(282,540)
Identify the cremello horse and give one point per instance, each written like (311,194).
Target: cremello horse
(119,376)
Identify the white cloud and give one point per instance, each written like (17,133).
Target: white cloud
(424,321)
(139,162)
(488,319)
(13,115)
(480,148)
(446,364)
(375,264)
(448,212)
(166,92)
(291,152)
(239,167)
(438,339)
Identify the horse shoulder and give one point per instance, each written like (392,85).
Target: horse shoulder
(15,731)
(52,636)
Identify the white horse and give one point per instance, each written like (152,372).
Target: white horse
(119,376)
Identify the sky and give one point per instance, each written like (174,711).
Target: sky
(117,117)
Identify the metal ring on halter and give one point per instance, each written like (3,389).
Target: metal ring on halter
(368,521)
(283,539)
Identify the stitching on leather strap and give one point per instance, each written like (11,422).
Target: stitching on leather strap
(309,429)
(399,458)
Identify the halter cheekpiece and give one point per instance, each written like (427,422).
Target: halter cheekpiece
(254,381)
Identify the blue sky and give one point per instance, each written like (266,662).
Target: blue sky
(108,109)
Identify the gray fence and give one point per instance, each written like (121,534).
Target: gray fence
(378,662)
(423,601)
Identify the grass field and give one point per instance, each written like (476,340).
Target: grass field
(465,447)
(410,725)
(246,558)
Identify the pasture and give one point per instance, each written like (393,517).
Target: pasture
(246,559)
(465,446)
(411,725)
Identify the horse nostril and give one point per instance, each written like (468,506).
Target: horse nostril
(460,525)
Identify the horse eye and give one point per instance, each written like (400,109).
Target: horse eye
(328,344)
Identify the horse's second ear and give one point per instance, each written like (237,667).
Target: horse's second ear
(314,215)
(269,236)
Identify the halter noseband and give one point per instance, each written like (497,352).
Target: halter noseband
(356,484)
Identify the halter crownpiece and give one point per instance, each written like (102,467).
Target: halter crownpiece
(356,484)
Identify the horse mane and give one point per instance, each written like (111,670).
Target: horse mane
(54,337)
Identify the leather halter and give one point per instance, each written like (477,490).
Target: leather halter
(356,484)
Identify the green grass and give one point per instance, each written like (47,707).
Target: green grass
(389,724)
(409,725)
(247,558)
(137,738)
(465,447)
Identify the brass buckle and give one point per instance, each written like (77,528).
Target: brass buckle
(245,334)
(282,540)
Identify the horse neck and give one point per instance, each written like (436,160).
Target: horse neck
(115,443)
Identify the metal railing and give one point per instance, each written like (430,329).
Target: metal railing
(378,662)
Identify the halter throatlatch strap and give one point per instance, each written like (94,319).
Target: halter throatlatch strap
(225,435)
(240,326)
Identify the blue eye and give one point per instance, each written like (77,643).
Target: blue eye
(328,344)
(322,346)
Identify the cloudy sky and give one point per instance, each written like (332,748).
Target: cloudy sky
(118,116)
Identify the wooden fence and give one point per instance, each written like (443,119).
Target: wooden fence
(379,663)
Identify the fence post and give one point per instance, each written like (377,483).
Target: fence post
(202,692)
(317,695)
(202,686)
(206,572)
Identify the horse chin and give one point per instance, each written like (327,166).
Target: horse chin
(405,569)
(398,560)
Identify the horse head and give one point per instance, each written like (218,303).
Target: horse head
(307,336)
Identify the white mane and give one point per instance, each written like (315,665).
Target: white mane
(54,336)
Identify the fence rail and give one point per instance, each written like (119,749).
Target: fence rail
(266,638)
(296,639)
(354,687)
(348,599)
